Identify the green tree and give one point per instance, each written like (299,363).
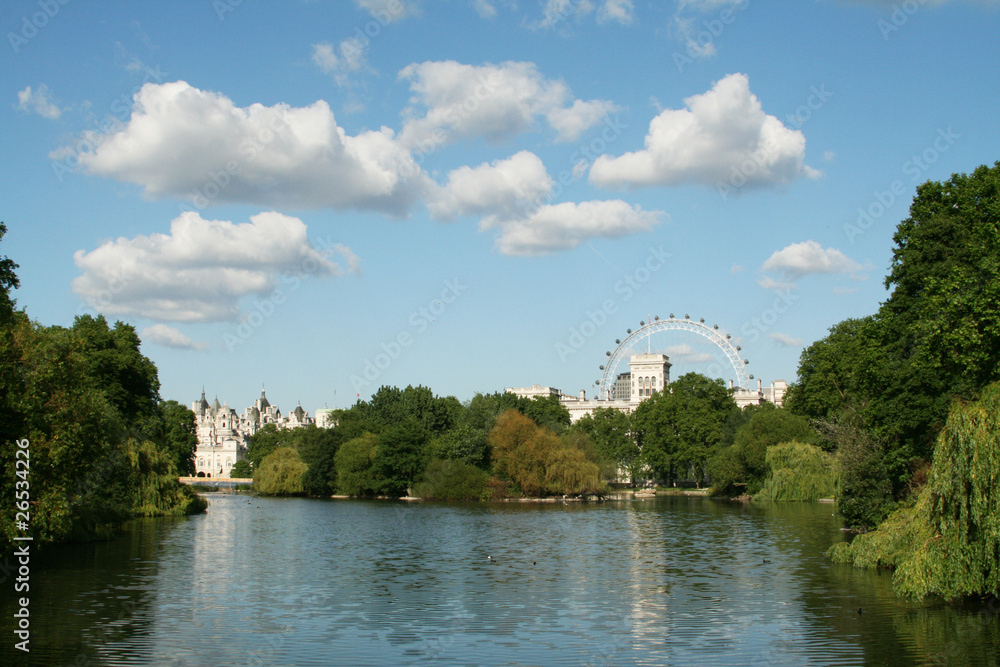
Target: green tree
(400,457)
(354,462)
(797,472)
(611,433)
(451,480)
(180,435)
(241,470)
(766,428)
(948,541)
(281,473)
(267,439)
(680,428)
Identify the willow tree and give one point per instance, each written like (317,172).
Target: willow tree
(948,542)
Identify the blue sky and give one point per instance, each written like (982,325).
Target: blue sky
(323,197)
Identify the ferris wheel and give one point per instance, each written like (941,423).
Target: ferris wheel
(656,325)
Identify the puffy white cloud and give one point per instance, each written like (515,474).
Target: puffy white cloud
(553,227)
(619,11)
(513,196)
(785,340)
(201,270)
(38,101)
(184,142)
(717,135)
(491,101)
(500,188)
(167,336)
(809,257)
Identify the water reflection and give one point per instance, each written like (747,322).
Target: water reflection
(310,582)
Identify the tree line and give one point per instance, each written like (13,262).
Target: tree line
(102,448)
(502,445)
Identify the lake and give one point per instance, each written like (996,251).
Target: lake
(664,581)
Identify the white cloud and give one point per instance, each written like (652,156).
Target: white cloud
(563,226)
(201,270)
(571,122)
(619,11)
(351,58)
(555,12)
(512,196)
(388,11)
(491,101)
(484,8)
(714,137)
(736,268)
(167,336)
(38,101)
(184,142)
(809,257)
(785,340)
(499,189)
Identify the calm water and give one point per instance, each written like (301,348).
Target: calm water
(671,581)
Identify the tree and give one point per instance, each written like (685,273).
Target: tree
(837,372)
(766,428)
(241,470)
(611,432)
(797,472)
(180,434)
(451,480)
(399,459)
(948,541)
(537,462)
(280,473)
(267,439)
(354,462)
(680,427)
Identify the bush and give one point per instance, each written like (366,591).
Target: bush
(280,473)
(451,480)
(797,472)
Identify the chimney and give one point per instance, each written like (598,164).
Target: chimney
(583,394)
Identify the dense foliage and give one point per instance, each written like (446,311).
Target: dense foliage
(102,448)
(948,541)
(797,472)
(934,340)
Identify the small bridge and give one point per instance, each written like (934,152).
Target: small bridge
(219,482)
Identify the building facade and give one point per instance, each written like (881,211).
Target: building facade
(223,434)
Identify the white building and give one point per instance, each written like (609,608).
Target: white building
(223,434)
(647,374)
